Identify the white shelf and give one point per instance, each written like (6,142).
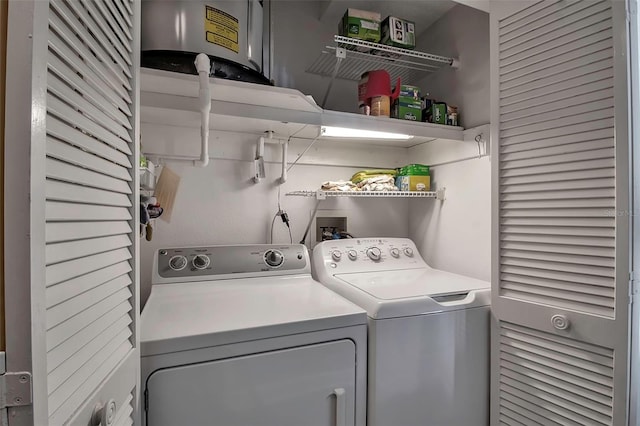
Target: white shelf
(321,195)
(359,56)
(172,99)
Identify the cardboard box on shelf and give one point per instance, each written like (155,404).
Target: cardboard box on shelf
(360,24)
(398,32)
(409,93)
(439,112)
(407,110)
(413,183)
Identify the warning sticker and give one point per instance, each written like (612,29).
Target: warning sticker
(221,29)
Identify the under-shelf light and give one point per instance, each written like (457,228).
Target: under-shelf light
(345,132)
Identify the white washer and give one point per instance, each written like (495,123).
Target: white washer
(428,332)
(243,336)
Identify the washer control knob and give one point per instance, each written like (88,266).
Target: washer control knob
(273,258)
(178,263)
(336,255)
(408,251)
(201,261)
(395,252)
(374,253)
(353,255)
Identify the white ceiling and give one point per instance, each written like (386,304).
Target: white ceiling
(422,12)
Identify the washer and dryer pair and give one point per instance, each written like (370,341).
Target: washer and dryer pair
(243,336)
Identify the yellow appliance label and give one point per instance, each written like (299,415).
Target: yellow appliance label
(221,29)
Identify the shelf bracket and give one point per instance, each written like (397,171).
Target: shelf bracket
(440,194)
(341,54)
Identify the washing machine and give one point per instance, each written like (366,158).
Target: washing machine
(243,336)
(428,359)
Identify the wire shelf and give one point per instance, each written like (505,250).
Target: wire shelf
(358,56)
(321,195)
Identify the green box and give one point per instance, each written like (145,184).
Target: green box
(407,110)
(414,170)
(398,33)
(409,93)
(360,24)
(439,113)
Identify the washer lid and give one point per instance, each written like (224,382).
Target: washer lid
(389,294)
(185,316)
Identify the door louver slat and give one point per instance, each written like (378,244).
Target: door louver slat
(557,108)
(62,191)
(62,18)
(65,53)
(75,137)
(123,417)
(69,289)
(77,47)
(571,50)
(586,18)
(90,221)
(62,402)
(65,73)
(74,268)
(66,310)
(60,252)
(61,232)
(70,154)
(529,105)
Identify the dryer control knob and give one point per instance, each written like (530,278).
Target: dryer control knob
(201,261)
(336,255)
(353,255)
(273,258)
(374,253)
(177,263)
(408,251)
(395,252)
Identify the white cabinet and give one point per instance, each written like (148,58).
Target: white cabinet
(310,385)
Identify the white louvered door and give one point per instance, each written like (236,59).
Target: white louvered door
(560,213)
(82,70)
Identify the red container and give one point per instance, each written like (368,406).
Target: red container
(379,84)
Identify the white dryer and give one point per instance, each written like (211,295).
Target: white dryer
(243,336)
(428,332)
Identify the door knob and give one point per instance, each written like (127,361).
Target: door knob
(560,322)
(104,414)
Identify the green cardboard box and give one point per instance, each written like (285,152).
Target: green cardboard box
(409,93)
(439,113)
(407,110)
(360,24)
(398,33)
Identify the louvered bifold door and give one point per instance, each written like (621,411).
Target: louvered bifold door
(90,205)
(560,214)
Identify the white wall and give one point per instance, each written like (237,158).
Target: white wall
(221,205)
(298,38)
(455,235)
(462,33)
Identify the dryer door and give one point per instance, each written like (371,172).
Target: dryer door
(310,385)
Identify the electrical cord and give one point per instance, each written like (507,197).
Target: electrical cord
(283,214)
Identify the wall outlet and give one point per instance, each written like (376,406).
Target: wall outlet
(327,225)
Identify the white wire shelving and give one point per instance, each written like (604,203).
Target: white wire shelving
(322,195)
(350,58)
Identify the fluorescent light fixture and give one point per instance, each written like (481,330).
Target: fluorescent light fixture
(345,132)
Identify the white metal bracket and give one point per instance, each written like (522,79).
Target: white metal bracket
(15,389)
(440,194)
